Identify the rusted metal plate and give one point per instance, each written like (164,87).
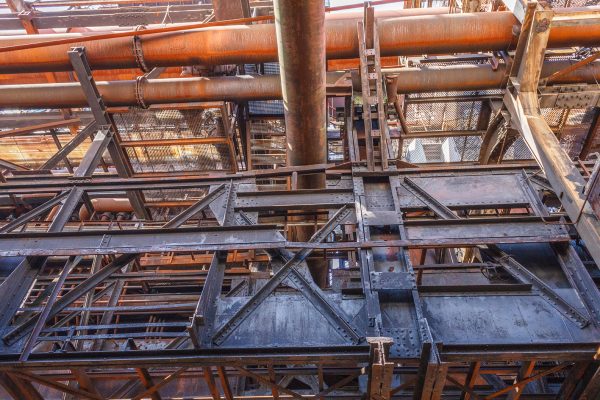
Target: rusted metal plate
(487,231)
(463,190)
(298,199)
(283,320)
(494,318)
(396,282)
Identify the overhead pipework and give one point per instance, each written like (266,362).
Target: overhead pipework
(424,34)
(243,88)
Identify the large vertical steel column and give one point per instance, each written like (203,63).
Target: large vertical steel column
(300,29)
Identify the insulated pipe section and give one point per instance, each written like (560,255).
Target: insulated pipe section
(426,34)
(300,29)
(267,87)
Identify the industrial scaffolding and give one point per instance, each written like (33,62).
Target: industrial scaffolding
(265,199)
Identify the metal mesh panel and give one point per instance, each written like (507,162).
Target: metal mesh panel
(576,128)
(267,127)
(204,157)
(436,150)
(469,147)
(580,116)
(572,3)
(446,116)
(571,126)
(270,107)
(140,124)
(518,151)
(271,68)
(553,116)
(267,148)
(571,140)
(488,92)
(267,143)
(173,124)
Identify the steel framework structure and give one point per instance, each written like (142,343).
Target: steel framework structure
(195,237)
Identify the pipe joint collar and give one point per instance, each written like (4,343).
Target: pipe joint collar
(138,52)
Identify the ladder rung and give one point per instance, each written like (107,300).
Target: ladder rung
(369,52)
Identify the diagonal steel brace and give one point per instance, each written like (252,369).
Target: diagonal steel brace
(289,268)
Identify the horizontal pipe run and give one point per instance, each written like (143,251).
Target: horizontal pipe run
(426,34)
(154,91)
(265,87)
(476,77)
(102,205)
(101,20)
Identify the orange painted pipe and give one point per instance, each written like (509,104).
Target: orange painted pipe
(267,87)
(155,91)
(349,16)
(426,34)
(476,77)
(106,205)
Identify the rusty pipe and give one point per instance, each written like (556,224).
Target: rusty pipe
(266,87)
(300,29)
(101,205)
(426,34)
(52,213)
(475,77)
(349,16)
(153,91)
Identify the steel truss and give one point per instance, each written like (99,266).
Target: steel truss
(458,283)
(413,331)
